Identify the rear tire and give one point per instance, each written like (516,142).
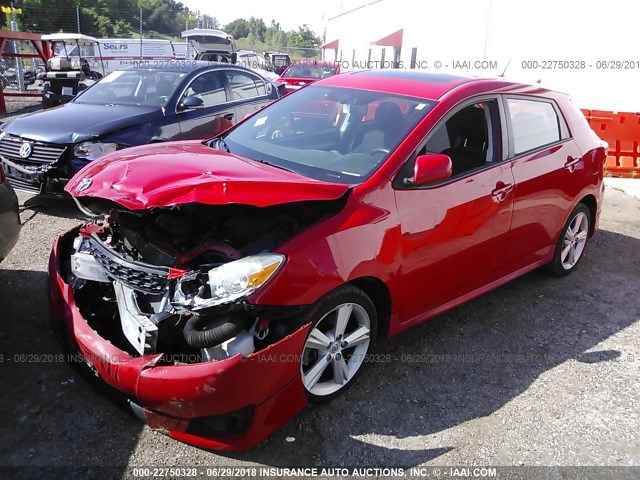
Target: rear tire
(344,326)
(572,242)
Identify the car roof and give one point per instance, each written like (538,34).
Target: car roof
(186,66)
(310,63)
(416,83)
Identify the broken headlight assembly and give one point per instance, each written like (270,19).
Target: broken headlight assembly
(226,283)
(93,150)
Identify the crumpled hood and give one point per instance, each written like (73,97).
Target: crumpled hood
(77,122)
(162,175)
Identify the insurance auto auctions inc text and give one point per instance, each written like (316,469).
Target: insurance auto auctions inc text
(378,472)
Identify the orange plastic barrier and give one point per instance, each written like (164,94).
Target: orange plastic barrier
(621,130)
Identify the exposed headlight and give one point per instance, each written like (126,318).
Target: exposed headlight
(227,283)
(93,150)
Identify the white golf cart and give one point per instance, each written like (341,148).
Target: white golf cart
(68,72)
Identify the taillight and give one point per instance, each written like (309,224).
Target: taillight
(1,174)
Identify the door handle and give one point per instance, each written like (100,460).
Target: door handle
(501,190)
(228,116)
(571,163)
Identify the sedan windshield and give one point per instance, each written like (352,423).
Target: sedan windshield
(133,87)
(328,133)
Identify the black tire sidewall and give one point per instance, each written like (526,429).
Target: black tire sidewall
(339,296)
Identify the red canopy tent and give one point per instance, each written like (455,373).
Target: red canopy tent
(332,46)
(393,40)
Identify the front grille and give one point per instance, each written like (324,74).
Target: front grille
(138,276)
(24,185)
(41,153)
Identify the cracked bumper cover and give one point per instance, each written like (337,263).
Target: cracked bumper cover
(266,383)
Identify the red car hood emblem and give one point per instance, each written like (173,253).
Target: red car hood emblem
(177,173)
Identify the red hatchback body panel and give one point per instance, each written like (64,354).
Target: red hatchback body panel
(192,172)
(417,251)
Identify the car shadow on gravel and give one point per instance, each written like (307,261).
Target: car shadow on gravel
(466,364)
(61,206)
(51,416)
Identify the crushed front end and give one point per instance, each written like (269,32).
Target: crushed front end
(156,303)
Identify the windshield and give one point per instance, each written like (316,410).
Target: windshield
(310,71)
(133,87)
(327,133)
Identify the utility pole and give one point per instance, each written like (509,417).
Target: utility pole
(141,53)
(78,17)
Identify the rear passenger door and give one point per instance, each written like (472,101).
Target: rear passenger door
(215,116)
(546,165)
(249,93)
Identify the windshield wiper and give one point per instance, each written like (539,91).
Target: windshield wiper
(264,162)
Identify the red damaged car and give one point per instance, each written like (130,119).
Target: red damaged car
(221,286)
(301,74)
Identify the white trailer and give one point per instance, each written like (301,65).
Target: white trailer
(116,53)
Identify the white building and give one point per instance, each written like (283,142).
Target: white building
(587,49)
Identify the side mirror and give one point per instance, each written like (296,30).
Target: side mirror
(432,168)
(282,89)
(191,102)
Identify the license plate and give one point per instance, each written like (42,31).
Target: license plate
(15,173)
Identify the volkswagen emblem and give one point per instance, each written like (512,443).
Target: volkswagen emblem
(84,184)
(26,150)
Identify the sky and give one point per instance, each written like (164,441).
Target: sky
(290,13)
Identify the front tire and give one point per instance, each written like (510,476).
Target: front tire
(573,240)
(344,325)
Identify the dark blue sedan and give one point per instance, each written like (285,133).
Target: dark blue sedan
(143,104)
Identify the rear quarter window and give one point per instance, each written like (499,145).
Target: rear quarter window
(534,124)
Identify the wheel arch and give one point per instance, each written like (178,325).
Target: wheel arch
(380,296)
(591,203)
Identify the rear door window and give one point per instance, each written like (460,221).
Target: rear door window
(534,124)
(245,85)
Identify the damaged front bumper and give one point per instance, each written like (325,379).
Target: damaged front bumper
(45,178)
(229,404)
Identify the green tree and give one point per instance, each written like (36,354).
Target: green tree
(209,22)
(239,28)
(257,28)
(304,41)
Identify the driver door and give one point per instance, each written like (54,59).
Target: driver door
(454,233)
(216,115)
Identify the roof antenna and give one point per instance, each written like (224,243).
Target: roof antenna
(505,68)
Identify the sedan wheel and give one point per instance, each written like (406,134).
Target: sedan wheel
(573,241)
(338,342)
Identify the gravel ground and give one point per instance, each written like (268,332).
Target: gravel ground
(542,371)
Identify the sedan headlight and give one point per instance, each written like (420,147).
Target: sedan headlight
(227,283)
(93,150)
